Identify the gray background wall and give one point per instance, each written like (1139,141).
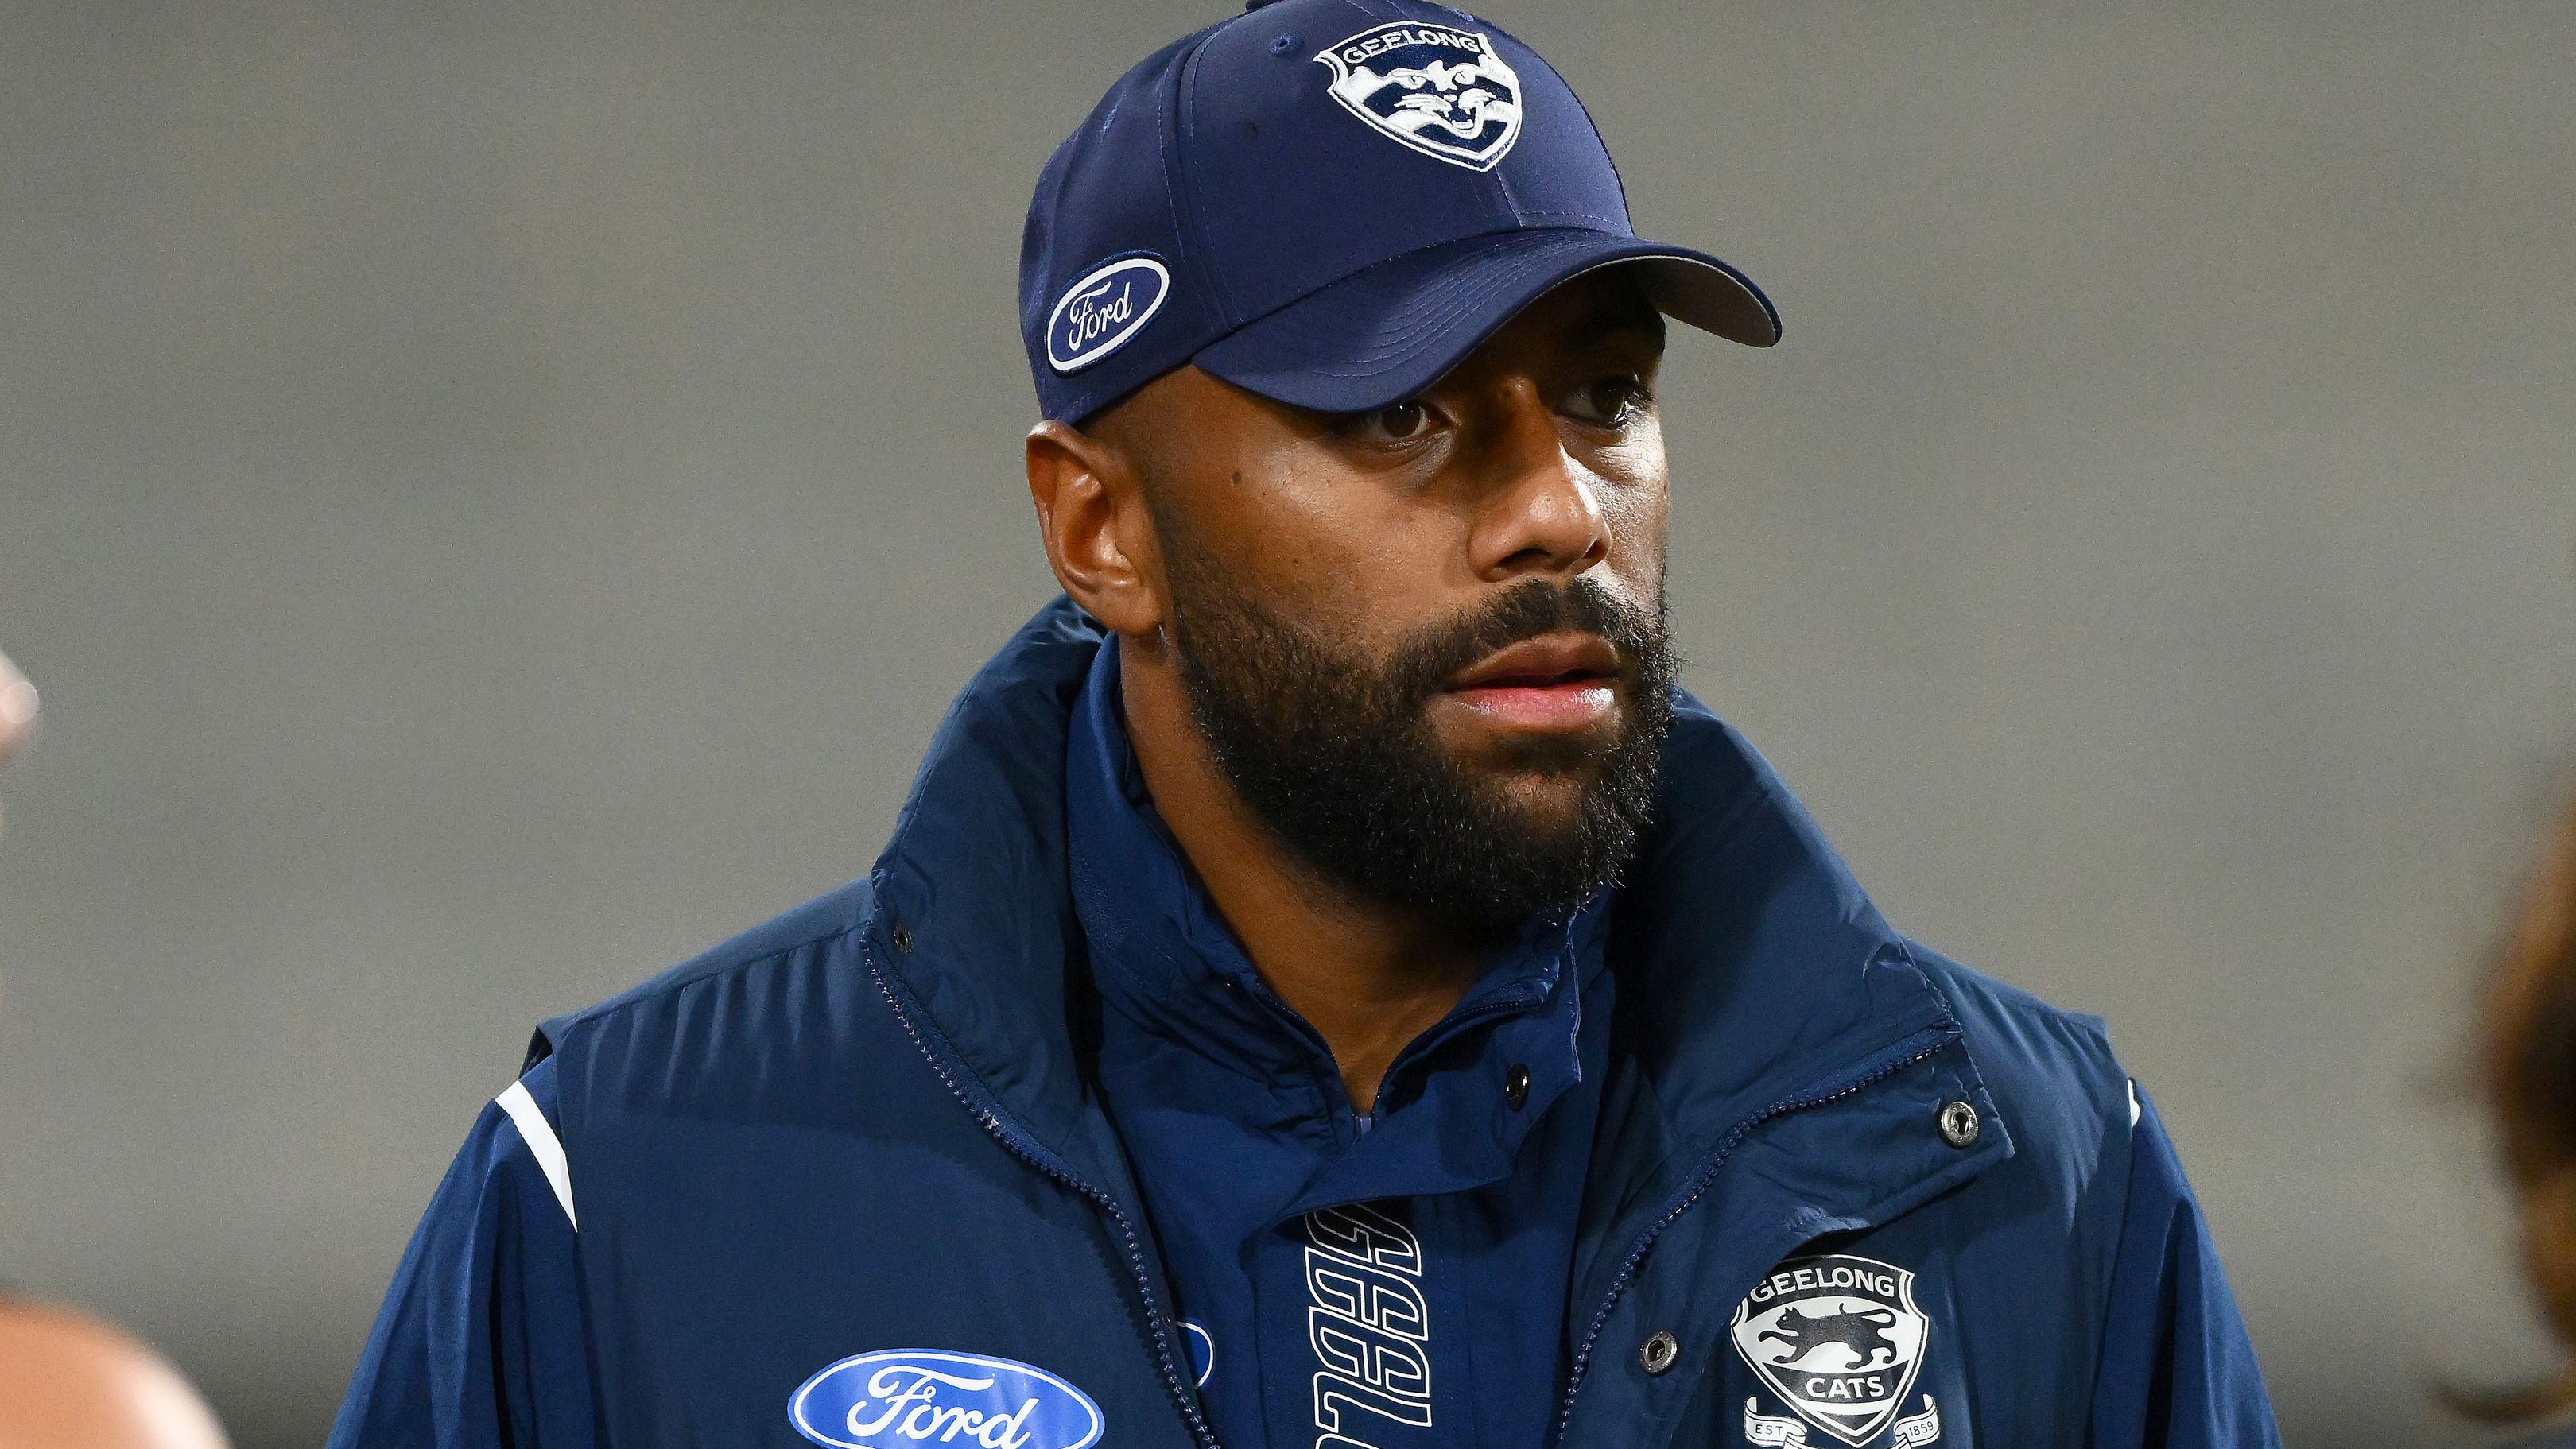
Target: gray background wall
(497,496)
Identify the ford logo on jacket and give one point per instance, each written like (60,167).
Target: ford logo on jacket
(886,1400)
(847,1180)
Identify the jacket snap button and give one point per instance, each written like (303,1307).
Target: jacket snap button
(1516,1086)
(902,935)
(1958,1124)
(1659,1351)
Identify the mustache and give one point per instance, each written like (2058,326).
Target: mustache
(1424,663)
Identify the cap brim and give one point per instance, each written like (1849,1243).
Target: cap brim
(1385,333)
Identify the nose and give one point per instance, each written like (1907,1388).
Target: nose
(1542,514)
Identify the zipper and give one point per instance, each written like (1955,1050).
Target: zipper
(1030,1152)
(1921,1046)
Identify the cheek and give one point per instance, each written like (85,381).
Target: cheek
(1638,515)
(1639,512)
(1349,556)
(1633,481)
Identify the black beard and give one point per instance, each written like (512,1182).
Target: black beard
(1335,752)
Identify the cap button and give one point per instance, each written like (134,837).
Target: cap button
(1516,1087)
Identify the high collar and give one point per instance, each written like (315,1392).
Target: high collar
(1750,964)
(1172,976)
(1161,953)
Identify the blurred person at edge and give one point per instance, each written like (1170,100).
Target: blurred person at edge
(68,1381)
(1330,988)
(2528,1069)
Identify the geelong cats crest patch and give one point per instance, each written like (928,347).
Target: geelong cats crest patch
(1436,88)
(1840,1340)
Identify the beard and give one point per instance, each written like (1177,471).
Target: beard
(1334,749)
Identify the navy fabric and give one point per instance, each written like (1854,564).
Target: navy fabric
(1441,1223)
(1396,328)
(481,1340)
(1245,164)
(877,1125)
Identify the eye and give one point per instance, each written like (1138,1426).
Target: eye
(1609,402)
(1402,422)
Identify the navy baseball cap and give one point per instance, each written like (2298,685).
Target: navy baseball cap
(1330,203)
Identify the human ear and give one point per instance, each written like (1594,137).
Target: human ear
(1099,536)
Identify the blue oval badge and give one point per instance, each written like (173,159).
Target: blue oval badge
(1101,311)
(899,1397)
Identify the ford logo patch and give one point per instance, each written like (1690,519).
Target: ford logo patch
(1100,312)
(900,1397)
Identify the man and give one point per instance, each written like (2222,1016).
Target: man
(1328,988)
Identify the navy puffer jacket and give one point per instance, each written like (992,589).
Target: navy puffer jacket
(847,1180)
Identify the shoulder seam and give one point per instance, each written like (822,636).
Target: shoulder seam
(645,991)
(2006,995)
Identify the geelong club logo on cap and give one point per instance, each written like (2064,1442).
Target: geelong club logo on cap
(1438,89)
(1099,312)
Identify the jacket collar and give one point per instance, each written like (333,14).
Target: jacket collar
(1751,965)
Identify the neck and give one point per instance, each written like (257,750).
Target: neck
(1368,977)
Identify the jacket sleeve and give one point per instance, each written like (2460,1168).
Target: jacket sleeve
(2176,1370)
(481,1343)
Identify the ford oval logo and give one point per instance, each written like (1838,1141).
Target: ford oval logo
(900,1397)
(1099,313)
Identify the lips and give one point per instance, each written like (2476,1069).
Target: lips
(1556,682)
(1549,659)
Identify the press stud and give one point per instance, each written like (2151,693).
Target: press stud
(1516,1087)
(1659,1351)
(1958,1124)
